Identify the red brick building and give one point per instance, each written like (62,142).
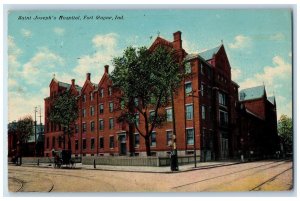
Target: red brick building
(258,121)
(207,103)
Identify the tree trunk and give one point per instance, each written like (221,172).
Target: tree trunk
(64,137)
(147,144)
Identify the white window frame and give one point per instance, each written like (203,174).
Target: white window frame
(192,106)
(186,132)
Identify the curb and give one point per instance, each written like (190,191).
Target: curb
(137,171)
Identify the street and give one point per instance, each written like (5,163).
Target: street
(254,176)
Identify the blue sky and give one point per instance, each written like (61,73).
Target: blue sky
(258,43)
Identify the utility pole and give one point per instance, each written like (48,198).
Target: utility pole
(35,110)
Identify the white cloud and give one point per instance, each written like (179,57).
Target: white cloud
(189,47)
(13,63)
(12,82)
(235,73)
(40,65)
(240,41)
(280,70)
(26,33)
(108,41)
(59,31)
(106,49)
(277,37)
(18,108)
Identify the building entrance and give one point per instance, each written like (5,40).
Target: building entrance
(122,144)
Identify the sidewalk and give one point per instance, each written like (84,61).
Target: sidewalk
(144,169)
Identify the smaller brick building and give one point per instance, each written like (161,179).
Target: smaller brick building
(258,120)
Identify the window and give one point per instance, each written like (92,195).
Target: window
(136,102)
(111,142)
(91,96)
(109,91)
(202,89)
(223,118)
(169,137)
(101,108)
(189,112)
(53,142)
(136,139)
(92,110)
(83,127)
(111,123)
(101,124)
(101,93)
(151,115)
(84,98)
(92,126)
(76,144)
(188,68)
(153,139)
(190,136)
(76,128)
(47,143)
(202,68)
(222,99)
(111,106)
(83,143)
(137,119)
(169,114)
(203,109)
(122,104)
(188,88)
(92,143)
(101,142)
(60,141)
(83,113)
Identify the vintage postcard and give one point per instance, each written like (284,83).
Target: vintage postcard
(150,100)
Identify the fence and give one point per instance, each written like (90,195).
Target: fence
(115,160)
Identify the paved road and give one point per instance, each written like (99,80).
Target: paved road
(255,176)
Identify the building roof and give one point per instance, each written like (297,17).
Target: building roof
(208,54)
(252,93)
(271,99)
(63,84)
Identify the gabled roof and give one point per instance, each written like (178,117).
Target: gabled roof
(252,93)
(271,99)
(63,84)
(208,54)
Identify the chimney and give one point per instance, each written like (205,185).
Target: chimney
(88,76)
(106,68)
(73,82)
(177,43)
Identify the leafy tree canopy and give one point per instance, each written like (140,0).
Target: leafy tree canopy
(285,131)
(146,79)
(64,109)
(22,129)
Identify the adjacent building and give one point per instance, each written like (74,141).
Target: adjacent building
(211,117)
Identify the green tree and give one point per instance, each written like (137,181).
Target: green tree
(285,131)
(146,79)
(64,111)
(22,130)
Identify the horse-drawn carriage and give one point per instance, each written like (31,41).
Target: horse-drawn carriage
(63,157)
